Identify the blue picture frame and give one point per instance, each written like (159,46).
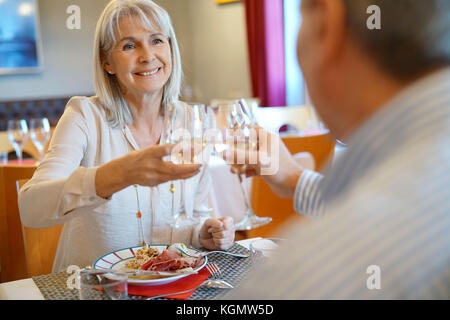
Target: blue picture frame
(20,43)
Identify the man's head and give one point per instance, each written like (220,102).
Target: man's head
(352,70)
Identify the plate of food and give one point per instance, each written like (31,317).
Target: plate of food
(159,264)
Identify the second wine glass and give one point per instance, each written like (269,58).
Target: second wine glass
(40,134)
(236,123)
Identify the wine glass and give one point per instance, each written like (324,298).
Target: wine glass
(202,143)
(180,128)
(237,123)
(40,134)
(18,135)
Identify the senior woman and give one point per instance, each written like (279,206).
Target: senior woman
(104,146)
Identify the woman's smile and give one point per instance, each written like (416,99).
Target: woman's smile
(148,73)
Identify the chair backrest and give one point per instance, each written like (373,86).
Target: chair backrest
(299,117)
(40,245)
(12,255)
(266,203)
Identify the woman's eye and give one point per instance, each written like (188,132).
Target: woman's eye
(158,41)
(128,46)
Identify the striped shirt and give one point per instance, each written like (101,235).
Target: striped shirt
(384,231)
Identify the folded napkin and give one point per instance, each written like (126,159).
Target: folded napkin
(185,283)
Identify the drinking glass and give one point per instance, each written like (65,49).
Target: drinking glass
(103,285)
(40,134)
(18,135)
(236,124)
(183,126)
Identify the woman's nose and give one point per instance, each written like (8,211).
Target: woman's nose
(146,54)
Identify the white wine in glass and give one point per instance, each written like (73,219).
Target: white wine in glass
(235,119)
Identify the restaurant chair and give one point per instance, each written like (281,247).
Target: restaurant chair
(299,117)
(12,252)
(266,203)
(40,246)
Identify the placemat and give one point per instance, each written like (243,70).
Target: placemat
(54,286)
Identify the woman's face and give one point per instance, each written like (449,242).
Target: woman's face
(141,59)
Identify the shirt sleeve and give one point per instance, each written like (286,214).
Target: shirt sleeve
(308,198)
(60,188)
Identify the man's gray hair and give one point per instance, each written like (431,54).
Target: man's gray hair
(414,35)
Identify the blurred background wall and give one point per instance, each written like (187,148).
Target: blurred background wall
(212,38)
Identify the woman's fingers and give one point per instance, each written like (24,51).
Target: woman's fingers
(223,244)
(218,234)
(222,234)
(227,221)
(169,168)
(163,178)
(153,170)
(161,150)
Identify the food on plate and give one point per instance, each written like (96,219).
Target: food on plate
(141,257)
(179,248)
(171,259)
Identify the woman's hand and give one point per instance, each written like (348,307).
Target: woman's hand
(217,234)
(144,167)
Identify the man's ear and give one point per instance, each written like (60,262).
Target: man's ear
(331,28)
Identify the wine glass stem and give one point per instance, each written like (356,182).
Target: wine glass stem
(182,199)
(19,154)
(248,208)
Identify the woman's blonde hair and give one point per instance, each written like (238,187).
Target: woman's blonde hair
(107,87)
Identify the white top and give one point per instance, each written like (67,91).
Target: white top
(62,190)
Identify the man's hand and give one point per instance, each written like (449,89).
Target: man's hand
(256,161)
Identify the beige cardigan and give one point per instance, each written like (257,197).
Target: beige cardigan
(62,190)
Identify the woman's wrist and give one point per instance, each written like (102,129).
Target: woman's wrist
(111,178)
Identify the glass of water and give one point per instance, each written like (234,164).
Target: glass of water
(103,285)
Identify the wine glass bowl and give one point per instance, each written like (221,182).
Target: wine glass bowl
(40,134)
(18,135)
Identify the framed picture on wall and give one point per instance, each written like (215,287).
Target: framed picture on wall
(20,44)
(226,1)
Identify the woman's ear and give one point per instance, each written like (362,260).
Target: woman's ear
(108,68)
(106,65)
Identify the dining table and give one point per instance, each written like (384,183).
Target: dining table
(54,286)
